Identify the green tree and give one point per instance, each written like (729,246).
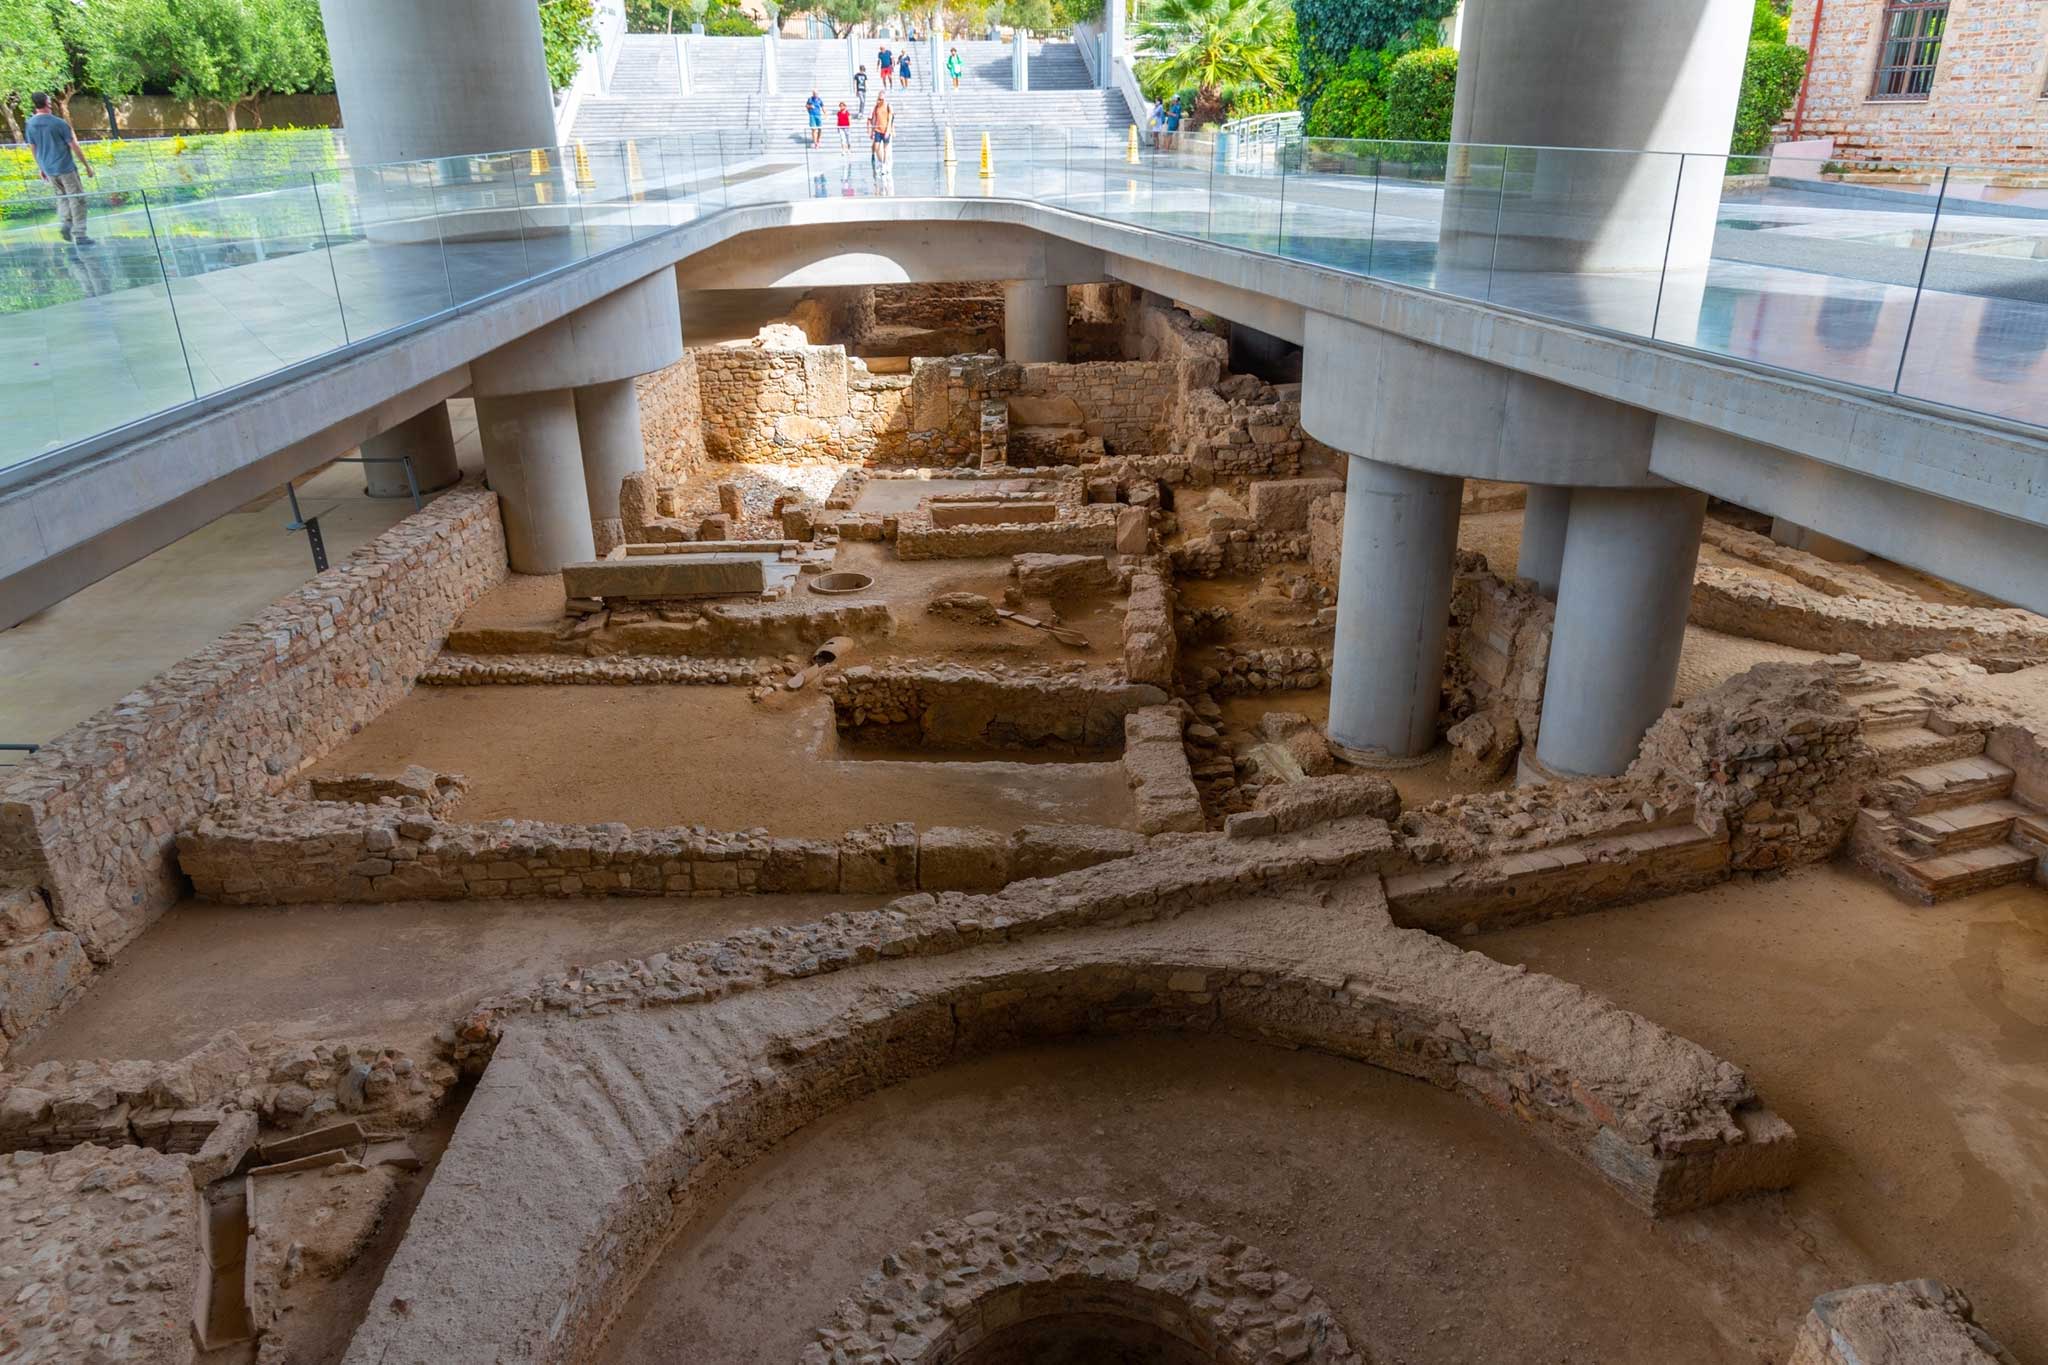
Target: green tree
(1767,24)
(568,29)
(1067,13)
(728,20)
(847,15)
(1421,88)
(1034,16)
(1329,31)
(32,57)
(1215,48)
(1770,81)
(227,53)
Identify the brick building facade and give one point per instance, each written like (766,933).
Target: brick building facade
(1906,81)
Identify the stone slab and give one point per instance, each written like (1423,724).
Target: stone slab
(663,577)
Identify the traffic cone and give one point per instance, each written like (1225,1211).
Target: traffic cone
(988,164)
(636,178)
(1131,147)
(950,158)
(537,160)
(583,176)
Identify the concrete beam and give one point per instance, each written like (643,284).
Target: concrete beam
(909,251)
(1974,546)
(1262,312)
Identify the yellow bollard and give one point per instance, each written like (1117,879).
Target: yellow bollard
(988,164)
(635,176)
(583,175)
(950,158)
(537,161)
(1131,148)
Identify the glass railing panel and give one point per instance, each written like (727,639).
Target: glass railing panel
(1332,190)
(1980,326)
(604,193)
(1245,203)
(251,281)
(88,335)
(477,205)
(384,242)
(1577,234)
(550,209)
(1811,274)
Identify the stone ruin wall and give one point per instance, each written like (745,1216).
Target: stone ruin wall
(672,420)
(89,821)
(952,707)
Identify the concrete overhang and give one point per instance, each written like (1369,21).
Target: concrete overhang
(86,511)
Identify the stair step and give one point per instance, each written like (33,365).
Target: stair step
(1890,714)
(1908,747)
(1957,782)
(1957,828)
(2030,832)
(1950,875)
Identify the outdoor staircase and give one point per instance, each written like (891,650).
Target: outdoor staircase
(1940,820)
(726,97)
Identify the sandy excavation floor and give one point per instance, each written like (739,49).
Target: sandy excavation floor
(1907,1045)
(655,756)
(390,973)
(1439,1233)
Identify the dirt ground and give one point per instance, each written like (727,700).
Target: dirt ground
(656,756)
(1437,1231)
(908,585)
(1907,1045)
(903,495)
(388,973)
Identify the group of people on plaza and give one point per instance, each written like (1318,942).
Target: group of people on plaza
(881,123)
(894,68)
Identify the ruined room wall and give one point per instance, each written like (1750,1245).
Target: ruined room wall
(1885,628)
(672,420)
(962,708)
(1121,401)
(287,850)
(91,818)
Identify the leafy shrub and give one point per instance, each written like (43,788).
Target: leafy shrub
(1770,80)
(1352,102)
(1421,88)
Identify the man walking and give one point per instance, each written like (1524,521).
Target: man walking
(59,158)
(880,124)
(814,111)
(860,91)
(886,63)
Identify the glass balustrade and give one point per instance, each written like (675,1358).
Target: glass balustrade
(1928,282)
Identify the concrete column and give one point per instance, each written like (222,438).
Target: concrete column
(1621,607)
(1544,518)
(1020,72)
(1794,536)
(427,438)
(1034,321)
(534,460)
(608,420)
(771,76)
(1393,605)
(445,79)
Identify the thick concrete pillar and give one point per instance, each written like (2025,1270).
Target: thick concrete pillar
(1629,558)
(608,420)
(1034,321)
(427,438)
(1544,517)
(1794,536)
(534,460)
(445,79)
(1393,605)
(1020,70)
(540,473)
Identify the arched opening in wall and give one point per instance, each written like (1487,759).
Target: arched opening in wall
(1083,1339)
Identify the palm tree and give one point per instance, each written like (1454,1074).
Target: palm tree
(1215,46)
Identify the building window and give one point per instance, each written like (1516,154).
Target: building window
(1911,46)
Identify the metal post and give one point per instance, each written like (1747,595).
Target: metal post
(311,526)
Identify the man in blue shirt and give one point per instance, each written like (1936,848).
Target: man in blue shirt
(814,111)
(59,158)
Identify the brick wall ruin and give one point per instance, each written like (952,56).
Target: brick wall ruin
(672,420)
(1985,107)
(942,707)
(90,819)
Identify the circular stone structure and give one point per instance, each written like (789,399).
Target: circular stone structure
(841,581)
(1061,1281)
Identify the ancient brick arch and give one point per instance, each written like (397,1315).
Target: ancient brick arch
(969,1283)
